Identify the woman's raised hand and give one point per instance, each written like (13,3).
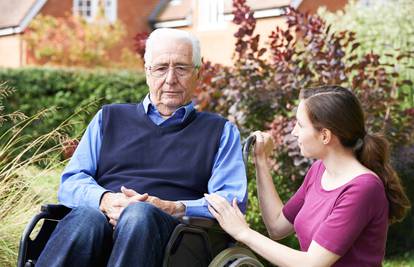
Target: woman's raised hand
(263,146)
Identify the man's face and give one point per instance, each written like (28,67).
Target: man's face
(171,76)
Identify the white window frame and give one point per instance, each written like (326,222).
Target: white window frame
(80,8)
(110,7)
(211,14)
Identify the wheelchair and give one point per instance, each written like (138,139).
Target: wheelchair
(195,241)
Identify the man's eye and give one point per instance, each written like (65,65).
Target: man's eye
(160,68)
(181,68)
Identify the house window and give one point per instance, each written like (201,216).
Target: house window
(88,9)
(110,10)
(211,13)
(85,8)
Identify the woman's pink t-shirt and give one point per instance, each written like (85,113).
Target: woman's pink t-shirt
(350,221)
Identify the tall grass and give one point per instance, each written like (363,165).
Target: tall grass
(19,153)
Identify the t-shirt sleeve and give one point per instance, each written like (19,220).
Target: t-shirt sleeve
(350,215)
(295,203)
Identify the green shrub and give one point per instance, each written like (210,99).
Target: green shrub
(384,27)
(68,90)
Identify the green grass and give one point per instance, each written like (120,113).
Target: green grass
(45,185)
(406,260)
(41,188)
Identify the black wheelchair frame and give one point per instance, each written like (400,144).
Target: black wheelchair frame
(194,242)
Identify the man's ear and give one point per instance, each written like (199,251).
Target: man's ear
(326,136)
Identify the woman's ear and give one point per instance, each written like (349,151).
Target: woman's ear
(326,136)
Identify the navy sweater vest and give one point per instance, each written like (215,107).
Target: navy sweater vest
(171,162)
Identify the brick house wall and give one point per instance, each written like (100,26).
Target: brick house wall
(57,8)
(134,15)
(312,6)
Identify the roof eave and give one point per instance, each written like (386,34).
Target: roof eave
(32,12)
(10,31)
(152,19)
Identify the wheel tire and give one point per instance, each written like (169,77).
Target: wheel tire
(234,257)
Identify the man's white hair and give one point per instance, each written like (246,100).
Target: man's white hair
(159,35)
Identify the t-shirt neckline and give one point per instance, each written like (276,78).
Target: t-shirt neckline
(322,169)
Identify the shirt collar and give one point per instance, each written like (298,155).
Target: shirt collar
(188,108)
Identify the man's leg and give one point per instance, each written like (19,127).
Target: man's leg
(141,235)
(82,238)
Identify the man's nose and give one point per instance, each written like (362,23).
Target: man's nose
(170,77)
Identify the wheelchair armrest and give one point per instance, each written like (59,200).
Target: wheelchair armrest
(54,211)
(203,222)
(48,212)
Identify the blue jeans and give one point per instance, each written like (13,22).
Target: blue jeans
(85,238)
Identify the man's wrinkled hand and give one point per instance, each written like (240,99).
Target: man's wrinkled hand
(171,207)
(112,204)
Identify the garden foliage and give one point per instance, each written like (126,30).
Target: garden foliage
(69,90)
(384,27)
(71,41)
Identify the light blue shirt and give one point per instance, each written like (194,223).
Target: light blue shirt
(228,179)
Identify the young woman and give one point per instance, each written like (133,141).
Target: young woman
(348,198)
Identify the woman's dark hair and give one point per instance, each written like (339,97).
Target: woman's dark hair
(338,110)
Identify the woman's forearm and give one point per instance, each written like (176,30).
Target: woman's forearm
(270,203)
(275,252)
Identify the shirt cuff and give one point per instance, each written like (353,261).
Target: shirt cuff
(95,196)
(196,208)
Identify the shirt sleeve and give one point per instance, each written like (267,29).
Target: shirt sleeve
(78,186)
(295,203)
(228,177)
(350,215)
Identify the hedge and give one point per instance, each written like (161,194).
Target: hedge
(68,90)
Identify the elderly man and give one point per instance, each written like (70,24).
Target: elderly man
(140,166)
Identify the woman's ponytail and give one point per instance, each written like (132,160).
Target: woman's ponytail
(374,153)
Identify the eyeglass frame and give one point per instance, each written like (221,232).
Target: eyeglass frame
(191,68)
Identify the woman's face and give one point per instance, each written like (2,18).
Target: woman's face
(309,139)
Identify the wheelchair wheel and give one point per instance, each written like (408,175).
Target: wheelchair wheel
(235,257)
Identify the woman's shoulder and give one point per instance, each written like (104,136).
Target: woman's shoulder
(366,187)
(367,181)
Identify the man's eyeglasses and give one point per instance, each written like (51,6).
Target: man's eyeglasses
(161,71)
